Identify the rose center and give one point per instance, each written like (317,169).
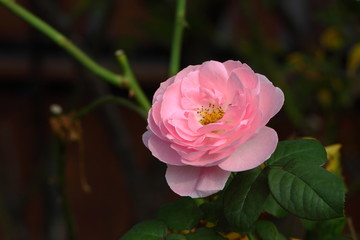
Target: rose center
(210,114)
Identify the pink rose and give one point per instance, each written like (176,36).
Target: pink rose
(208,121)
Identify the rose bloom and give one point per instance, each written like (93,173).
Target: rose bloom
(208,121)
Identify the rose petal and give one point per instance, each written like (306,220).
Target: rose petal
(234,88)
(196,181)
(206,160)
(200,157)
(171,102)
(230,65)
(271,99)
(193,122)
(247,77)
(160,91)
(190,88)
(153,122)
(213,76)
(161,149)
(183,73)
(182,130)
(253,152)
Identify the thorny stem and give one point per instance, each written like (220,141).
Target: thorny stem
(131,82)
(179,25)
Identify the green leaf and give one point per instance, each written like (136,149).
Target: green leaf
(175,236)
(307,191)
(268,231)
(272,207)
(245,197)
(212,210)
(183,214)
(306,150)
(204,233)
(150,230)
(324,229)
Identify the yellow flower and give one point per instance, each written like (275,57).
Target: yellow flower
(333,156)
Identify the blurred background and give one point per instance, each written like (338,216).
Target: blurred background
(311,49)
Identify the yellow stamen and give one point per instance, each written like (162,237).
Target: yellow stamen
(211,114)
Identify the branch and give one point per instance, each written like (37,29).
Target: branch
(63,42)
(133,85)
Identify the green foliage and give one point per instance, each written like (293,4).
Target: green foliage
(272,207)
(176,236)
(183,214)
(268,231)
(150,230)
(214,213)
(204,233)
(244,198)
(307,192)
(212,210)
(324,229)
(291,181)
(306,150)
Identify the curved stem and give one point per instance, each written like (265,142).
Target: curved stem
(131,82)
(63,42)
(121,101)
(179,25)
(128,80)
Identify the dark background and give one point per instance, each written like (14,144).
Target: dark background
(308,48)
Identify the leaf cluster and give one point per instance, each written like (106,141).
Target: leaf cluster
(292,182)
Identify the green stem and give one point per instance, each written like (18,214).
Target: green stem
(121,101)
(126,81)
(179,25)
(131,82)
(64,198)
(63,42)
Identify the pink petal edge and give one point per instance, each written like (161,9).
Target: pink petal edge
(253,152)
(271,99)
(161,149)
(196,181)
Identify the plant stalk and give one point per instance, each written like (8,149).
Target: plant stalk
(179,24)
(131,82)
(63,42)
